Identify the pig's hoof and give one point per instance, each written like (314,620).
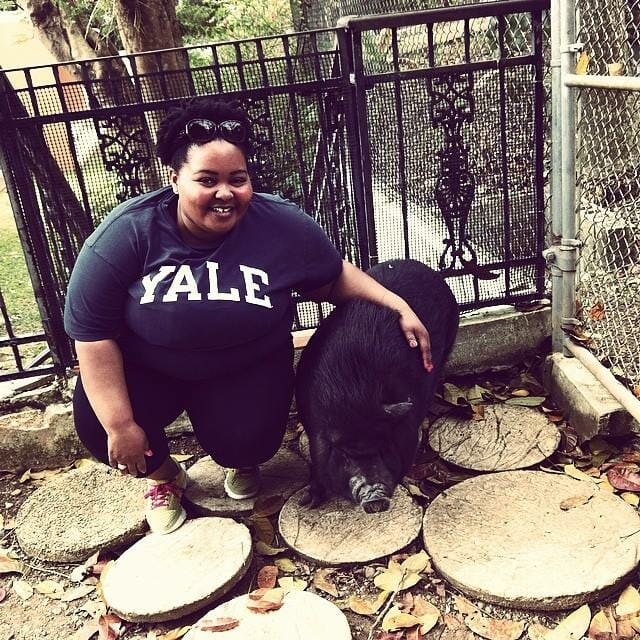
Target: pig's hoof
(376,505)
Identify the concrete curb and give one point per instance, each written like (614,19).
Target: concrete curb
(489,339)
(588,406)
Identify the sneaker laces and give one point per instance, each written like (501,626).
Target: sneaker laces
(160,494)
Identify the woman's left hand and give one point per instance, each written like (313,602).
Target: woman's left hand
(417,336)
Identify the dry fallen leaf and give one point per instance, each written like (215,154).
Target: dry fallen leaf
(83,463)
(605,485)
(395,578)
(625,629)
(396,619)
(414,634)
(262,529)
(478,412)
(427,614)
(267,576)
(452,623)
(9,565)
(87,631)
(625,477)
(574,501)
(263,606)
(493,629)
(23,589)
(77,592)
(289,583)
(286,565)
(571,470)
(583,64)
(601,627)
(597,311)
(537,631)
(573,627)
(219,624)
(321,581)
(464,606)
(367,607)
(95,608)
(174,634)
(266,599)
(181,457)
(263,549)
(109,627)
(628,602)
(416,563)
(50,588)
(615,69)
(632,498)
(3,593)
(267,506)
(274,595)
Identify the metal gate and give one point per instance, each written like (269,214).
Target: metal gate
(408,135)
(450,108)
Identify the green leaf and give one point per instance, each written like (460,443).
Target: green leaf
(529,401)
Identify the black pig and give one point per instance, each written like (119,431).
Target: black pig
(362,392)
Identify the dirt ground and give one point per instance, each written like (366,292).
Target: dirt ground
(43,616)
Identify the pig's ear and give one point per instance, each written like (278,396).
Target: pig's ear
(398,409)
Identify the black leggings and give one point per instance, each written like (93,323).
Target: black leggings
(239,418)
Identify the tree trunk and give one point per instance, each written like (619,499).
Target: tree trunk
(125,140)
(151,25)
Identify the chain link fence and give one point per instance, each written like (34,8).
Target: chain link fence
(608,186)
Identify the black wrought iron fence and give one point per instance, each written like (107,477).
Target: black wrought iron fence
(414,135)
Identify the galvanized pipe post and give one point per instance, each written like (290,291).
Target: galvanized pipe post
(557,334)
(567,255)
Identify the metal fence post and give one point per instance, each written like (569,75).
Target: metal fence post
(358,132)
(556,180)
(567,256)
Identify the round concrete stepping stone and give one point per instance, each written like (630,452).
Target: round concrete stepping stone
(340,532)
(285,473)
(164,577)
(73,515)
(532,539)
(302,615)
(510,437)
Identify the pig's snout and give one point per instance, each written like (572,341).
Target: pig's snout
(373,498)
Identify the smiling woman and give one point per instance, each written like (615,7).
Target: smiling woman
(182,300)
(215,192)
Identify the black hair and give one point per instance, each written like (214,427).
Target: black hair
(174,154)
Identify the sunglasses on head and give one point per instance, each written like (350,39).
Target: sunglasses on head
(203,130)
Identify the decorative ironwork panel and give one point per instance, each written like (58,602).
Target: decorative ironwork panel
(126,150)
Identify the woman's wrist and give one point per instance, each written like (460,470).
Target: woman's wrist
(395,302)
